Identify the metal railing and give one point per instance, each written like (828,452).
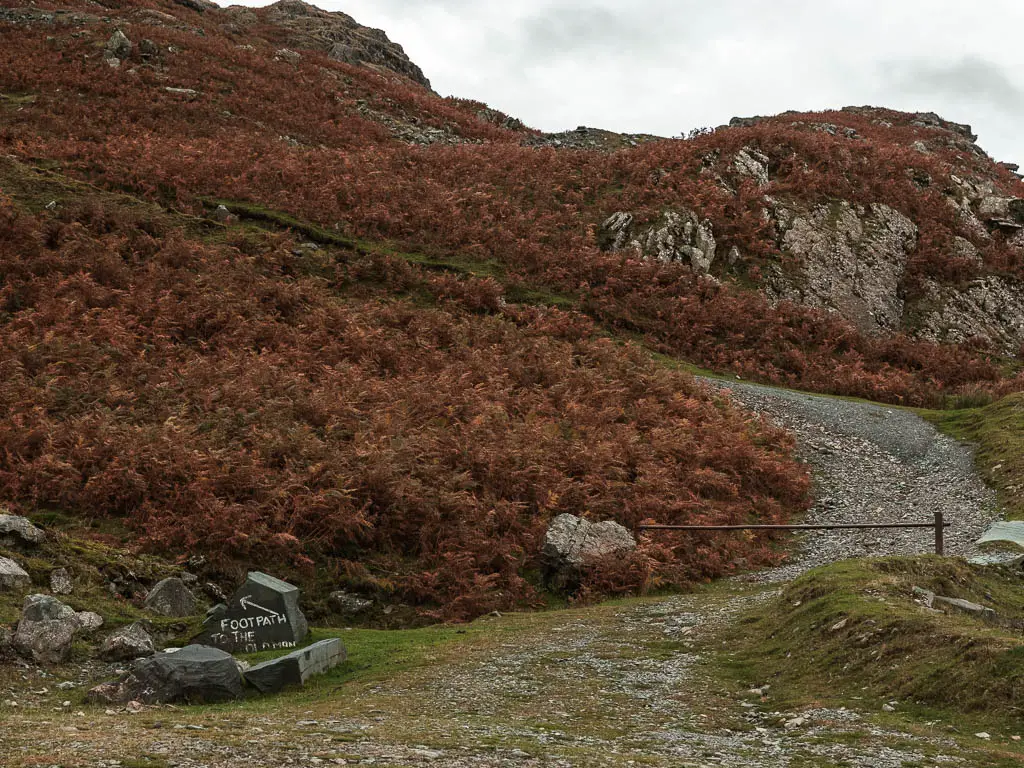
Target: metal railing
(939,525)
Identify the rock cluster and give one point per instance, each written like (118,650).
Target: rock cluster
(48,627)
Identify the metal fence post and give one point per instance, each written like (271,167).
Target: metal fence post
(940,533)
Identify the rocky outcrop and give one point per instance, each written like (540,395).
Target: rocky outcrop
(989,308)
(753,164)
(336,34)
(850,259)
(572,544)
(679,236)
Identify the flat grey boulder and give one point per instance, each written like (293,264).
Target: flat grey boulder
(13,577)
(18,531)
(572,544)
(46,630)
(127,643)
(297,667)
(964,606)
(196,674)
(263,615)
(172,598)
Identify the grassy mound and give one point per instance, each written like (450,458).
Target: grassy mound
(855,628)
(998,431)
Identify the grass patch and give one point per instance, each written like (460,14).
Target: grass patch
(852,630)
(998,432)
(375,653)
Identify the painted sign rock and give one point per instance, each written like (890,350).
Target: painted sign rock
(262,615)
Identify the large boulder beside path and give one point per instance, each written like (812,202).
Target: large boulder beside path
(572,544)
(196,674)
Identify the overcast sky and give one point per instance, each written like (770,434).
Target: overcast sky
(666,66)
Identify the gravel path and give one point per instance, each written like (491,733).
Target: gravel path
(607,686)
(872,464)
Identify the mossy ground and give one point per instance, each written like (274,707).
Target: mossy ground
(998,432)
(852,632)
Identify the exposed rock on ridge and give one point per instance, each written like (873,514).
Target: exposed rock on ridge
(338,35)
(851,259)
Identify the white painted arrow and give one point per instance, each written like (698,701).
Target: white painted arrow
(246,602)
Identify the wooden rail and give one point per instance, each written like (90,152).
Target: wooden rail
(939,525)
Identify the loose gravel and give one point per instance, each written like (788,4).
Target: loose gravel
(873,464)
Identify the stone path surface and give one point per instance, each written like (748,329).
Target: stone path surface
(870,464)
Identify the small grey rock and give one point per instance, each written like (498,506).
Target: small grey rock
(171,597)
(89,621)
(60,582)
(127,643)
(349,604)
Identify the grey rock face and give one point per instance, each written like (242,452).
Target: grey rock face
(349,604)
(990,308)
(852,260)
(60,582)
(572,544)
(196,674)
(46,630)
(171,597)
(18,531)
(297,667)
(752,163)
(679,236)
(262,615)
(12,576)
(127,643)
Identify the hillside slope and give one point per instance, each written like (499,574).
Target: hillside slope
(862,252)
(266,295)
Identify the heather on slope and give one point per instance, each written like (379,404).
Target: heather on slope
(226,113)
(228,391)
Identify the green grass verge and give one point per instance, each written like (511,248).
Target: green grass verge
(998,432)
(852,631)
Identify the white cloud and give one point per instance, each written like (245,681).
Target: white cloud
(665,66)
